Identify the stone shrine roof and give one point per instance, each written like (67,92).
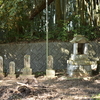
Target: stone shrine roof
(79,39)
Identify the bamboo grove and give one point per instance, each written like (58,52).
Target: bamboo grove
(24,20)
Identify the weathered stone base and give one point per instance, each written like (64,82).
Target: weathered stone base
(27,71)
(10,76)
(81,74)
(26,76)
(50,73)
(79,70)
(1,76)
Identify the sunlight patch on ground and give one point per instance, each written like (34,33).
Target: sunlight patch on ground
(97,81)
(81,97)
(97,97)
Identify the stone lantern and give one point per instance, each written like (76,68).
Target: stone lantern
(79,64)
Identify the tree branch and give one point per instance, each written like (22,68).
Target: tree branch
(38,9)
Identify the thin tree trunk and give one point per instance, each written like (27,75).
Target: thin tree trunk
(58,12)
(82,12)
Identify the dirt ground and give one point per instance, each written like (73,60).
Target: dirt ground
(43,88)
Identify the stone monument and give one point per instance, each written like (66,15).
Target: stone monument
(1,68)
(12,70)
(50,72)
(79,63)
(26,71)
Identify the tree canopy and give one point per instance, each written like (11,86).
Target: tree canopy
(25,19)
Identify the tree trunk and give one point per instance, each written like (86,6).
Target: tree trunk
(58,12)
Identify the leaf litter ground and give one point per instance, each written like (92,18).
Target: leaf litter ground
(42,88)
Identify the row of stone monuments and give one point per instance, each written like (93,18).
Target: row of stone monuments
(78,64)
(25,71)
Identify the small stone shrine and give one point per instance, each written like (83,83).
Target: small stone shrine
(79,64)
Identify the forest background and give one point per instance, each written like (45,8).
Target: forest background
(25,20)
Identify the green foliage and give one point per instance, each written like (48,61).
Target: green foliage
(37,74)
(60,33)
(97,97)
(89,32)
(12,12)
(66,34)
(17,26)
(14,18)
(14,15)
(63,35)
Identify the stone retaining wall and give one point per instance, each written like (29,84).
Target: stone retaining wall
(59,50)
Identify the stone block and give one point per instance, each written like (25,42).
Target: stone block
(1,64)
(1,76)
(1,67)
(12,70)
(87,68)
(27,61)
(50,73)
(50,62)
(26,71)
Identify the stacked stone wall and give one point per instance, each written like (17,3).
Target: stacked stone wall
(60,51)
